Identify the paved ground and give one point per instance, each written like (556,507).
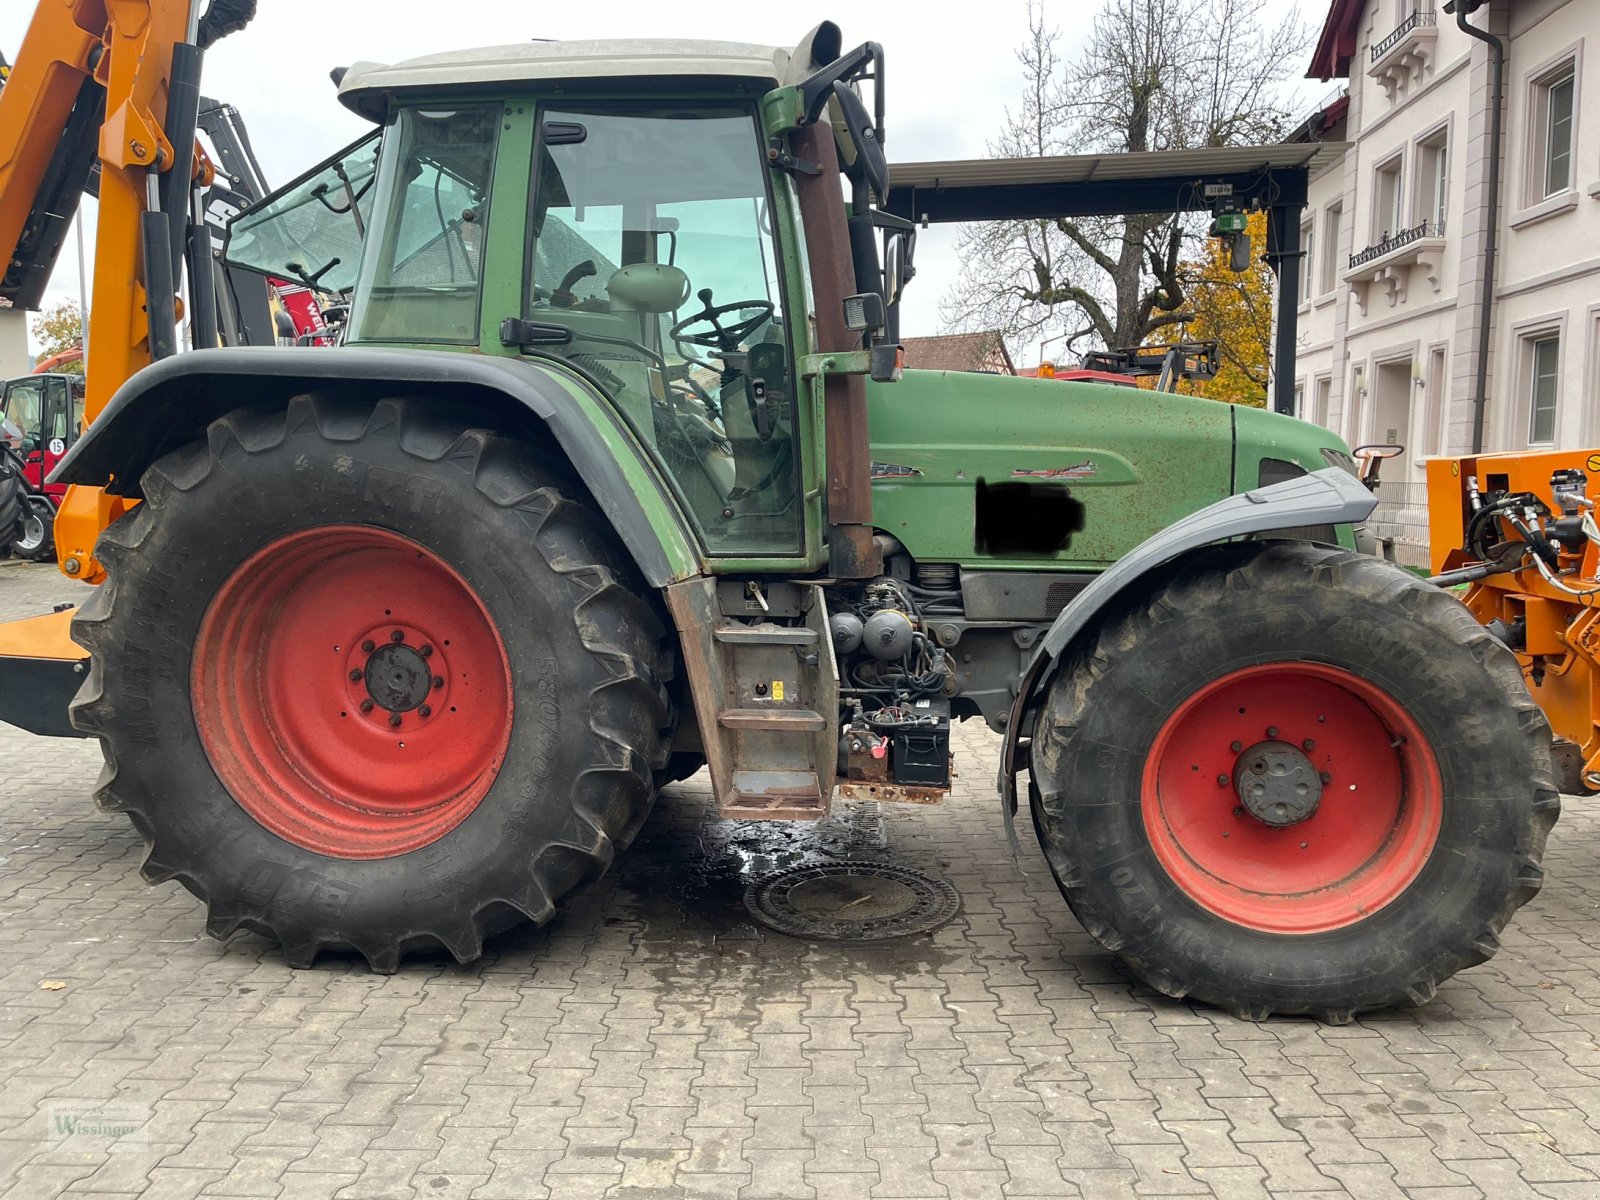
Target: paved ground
(655,1043)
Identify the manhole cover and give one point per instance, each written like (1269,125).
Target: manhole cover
(857,902)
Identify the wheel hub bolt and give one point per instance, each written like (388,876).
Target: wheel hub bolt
(438,682)
(394,719)
(1308,744)
(369,646)
(427,651)
(366,706)
(397,636)
(426,710)
(1272,731)
(355,674)
(1222,781)
(1236,747)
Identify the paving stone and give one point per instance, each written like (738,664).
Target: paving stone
(655,1043)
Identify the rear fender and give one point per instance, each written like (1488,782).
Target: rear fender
(1332,497)
(169,404)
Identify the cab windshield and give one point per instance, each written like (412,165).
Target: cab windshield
(23,400)
(311,230)
(653,245)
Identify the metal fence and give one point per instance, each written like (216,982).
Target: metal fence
(1400,522)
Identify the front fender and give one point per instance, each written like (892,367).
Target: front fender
(1329,497)
(170,404)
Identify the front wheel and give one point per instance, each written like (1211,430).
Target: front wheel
(35,540)
(1294,779)
(364,679)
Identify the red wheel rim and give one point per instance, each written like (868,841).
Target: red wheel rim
(352,692)
(1373,828)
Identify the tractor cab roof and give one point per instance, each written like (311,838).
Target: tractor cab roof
(367,88)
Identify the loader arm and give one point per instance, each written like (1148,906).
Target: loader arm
(113,82)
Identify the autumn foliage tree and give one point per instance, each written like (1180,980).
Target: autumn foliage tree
(60,328)
(1235,311)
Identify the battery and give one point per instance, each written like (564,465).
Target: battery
(919,742)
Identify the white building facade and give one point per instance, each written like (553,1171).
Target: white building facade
(1391,306)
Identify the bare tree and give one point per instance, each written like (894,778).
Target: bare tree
(1152,75)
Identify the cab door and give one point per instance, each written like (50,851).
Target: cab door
(655,251)
(60,421)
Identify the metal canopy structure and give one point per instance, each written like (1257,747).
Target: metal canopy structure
(1273,178)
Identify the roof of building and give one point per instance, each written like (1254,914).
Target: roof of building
(1336,45)
(1093,168)
(986,189)
(365,85)
(956,351)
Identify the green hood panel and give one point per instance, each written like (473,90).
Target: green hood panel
(1263,434)
(1135,460)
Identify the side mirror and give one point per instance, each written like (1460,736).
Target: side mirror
(864,135)
(1370,459)
(897,263)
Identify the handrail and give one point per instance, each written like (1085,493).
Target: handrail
(1419,17)
(1393,241)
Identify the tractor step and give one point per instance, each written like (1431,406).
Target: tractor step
(765,694)
(775,796)
(793,720)
(765,635)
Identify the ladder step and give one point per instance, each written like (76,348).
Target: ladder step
(777,720)
(776,795)
(768,635)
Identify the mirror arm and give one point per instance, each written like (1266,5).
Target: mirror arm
(817,89)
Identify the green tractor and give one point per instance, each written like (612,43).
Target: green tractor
(618,476)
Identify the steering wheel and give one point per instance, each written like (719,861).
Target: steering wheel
(719,336)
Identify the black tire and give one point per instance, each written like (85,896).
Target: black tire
(1239,607)
(681,765)
(575,782)
(36,536)
(12,498)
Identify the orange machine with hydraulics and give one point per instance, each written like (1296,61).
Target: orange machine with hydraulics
(1519,531)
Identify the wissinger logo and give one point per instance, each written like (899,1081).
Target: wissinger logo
(111,1125)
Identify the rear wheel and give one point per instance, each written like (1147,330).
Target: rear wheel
(35,539)
(366,680)
(1294,779)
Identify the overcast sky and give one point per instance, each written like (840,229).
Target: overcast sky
(949,80)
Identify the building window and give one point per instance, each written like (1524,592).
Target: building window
(1321,394)
(1433,180)
(1300,401)
(1329,266)
(1544,384)
(1554,98)
(1308,260)
(1386,206)
(1435,385)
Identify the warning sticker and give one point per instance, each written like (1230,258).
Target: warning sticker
(777,689)
(1594,462)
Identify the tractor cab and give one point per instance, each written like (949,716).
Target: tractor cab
(43,416)
(618,209)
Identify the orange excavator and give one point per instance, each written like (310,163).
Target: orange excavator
(104,92)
